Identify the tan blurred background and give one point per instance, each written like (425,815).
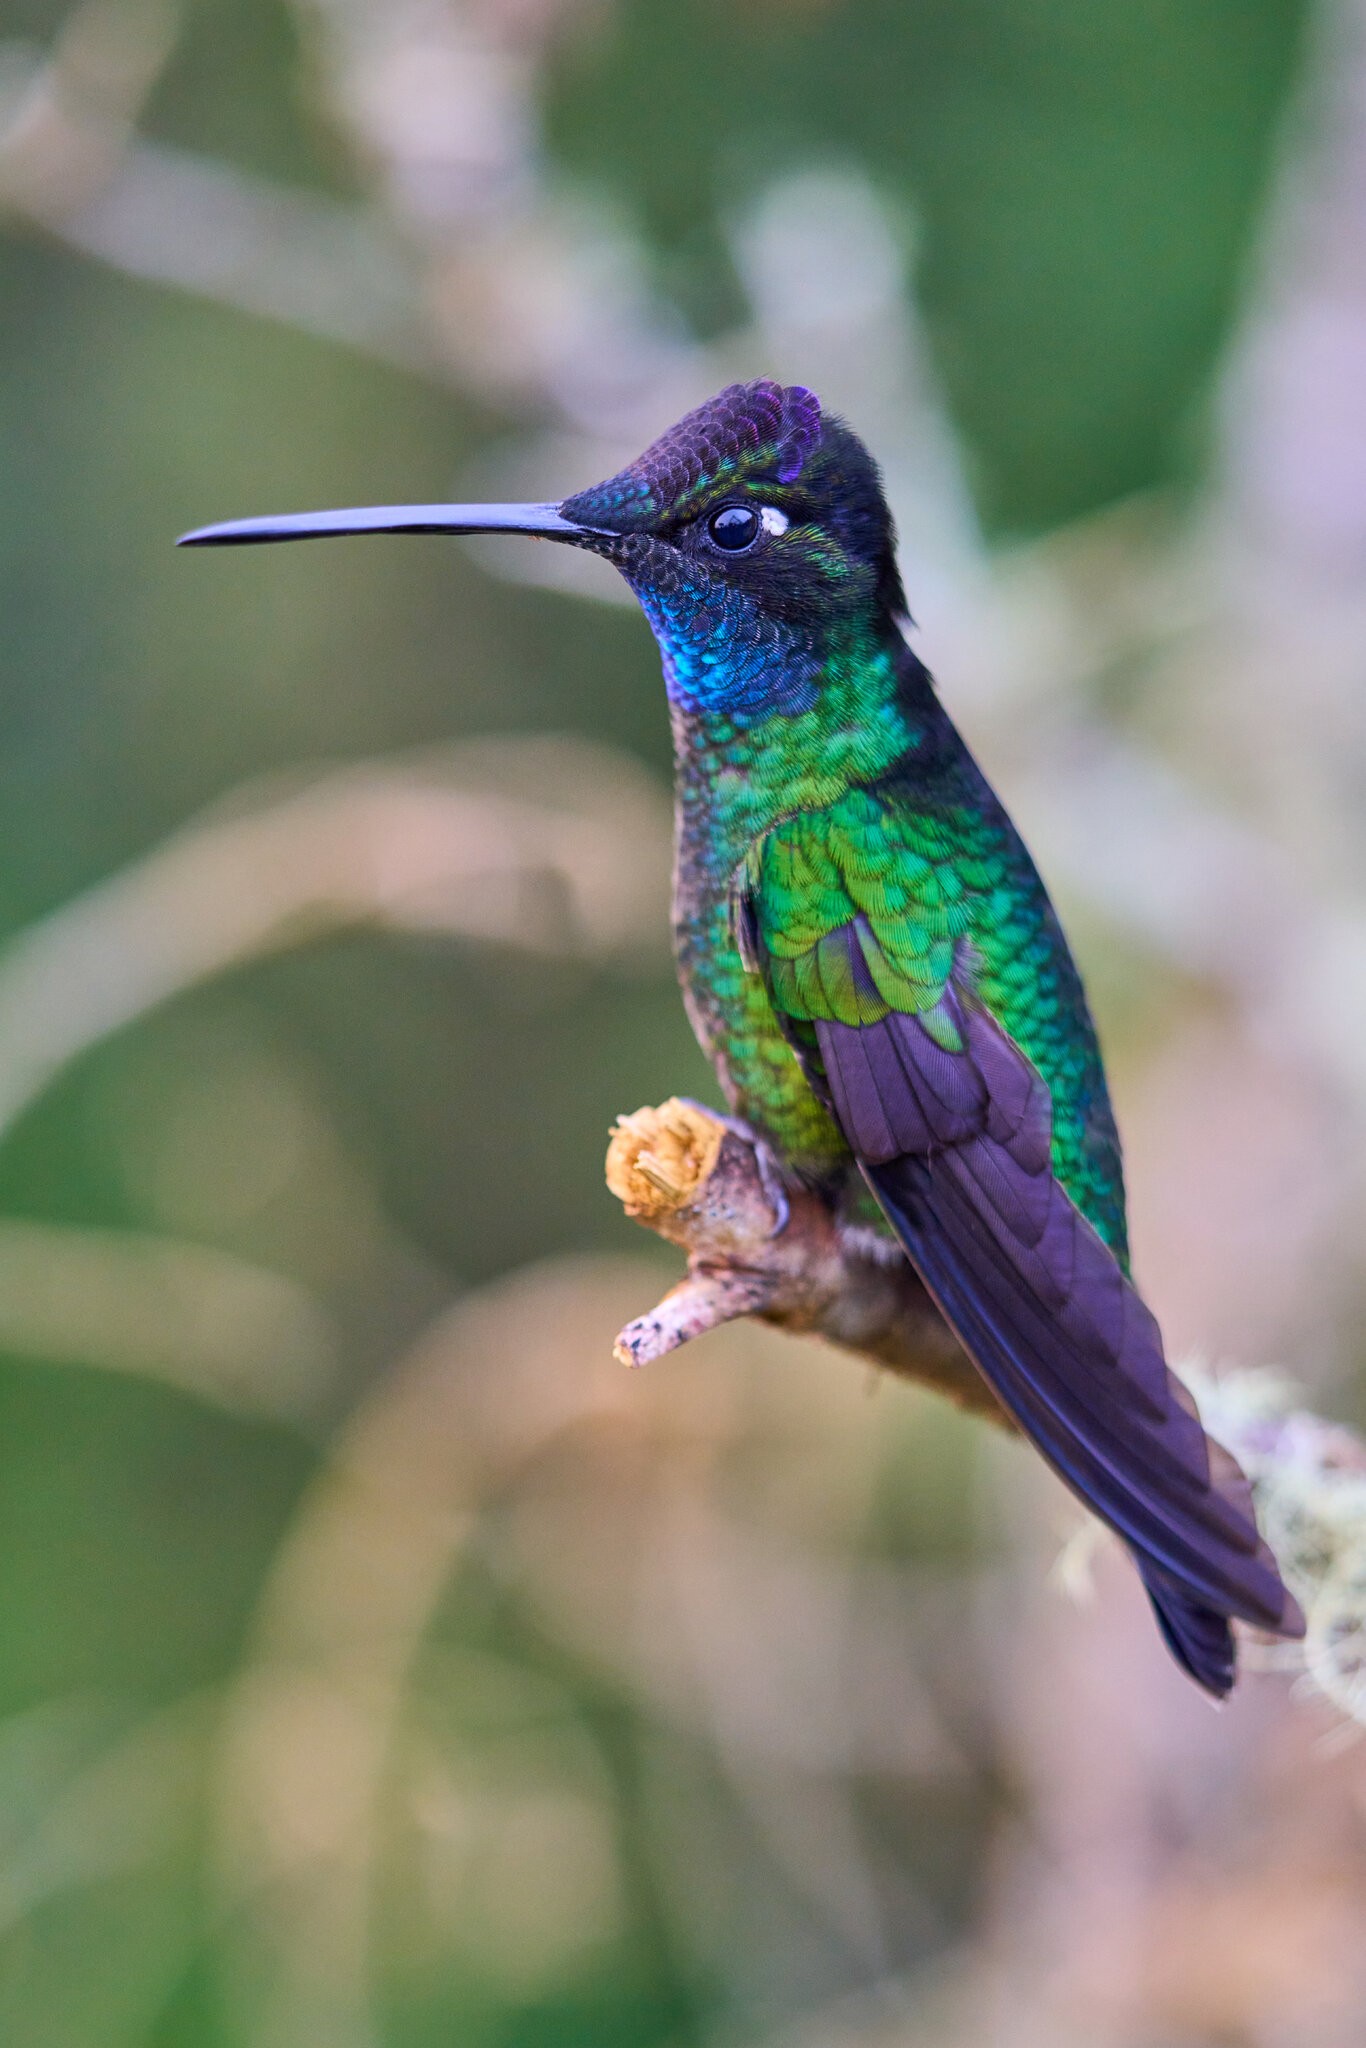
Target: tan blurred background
(381,1665)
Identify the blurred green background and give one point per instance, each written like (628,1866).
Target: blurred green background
(698,1709)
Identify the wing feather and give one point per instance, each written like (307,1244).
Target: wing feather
(952,1126)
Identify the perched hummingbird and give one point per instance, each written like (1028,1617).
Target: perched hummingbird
(874,969)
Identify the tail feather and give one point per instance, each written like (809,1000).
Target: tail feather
(1144,1465)
(1199,1637)
(957,1146)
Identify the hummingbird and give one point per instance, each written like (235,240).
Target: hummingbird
(872,964)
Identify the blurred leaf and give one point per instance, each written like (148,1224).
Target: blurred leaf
(1087,181)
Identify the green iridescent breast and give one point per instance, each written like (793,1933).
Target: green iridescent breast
(875,902)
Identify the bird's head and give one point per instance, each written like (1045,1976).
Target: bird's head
(755,534)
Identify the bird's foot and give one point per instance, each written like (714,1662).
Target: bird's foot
(771,1178)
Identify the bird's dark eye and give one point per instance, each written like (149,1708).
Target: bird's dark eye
(734,528)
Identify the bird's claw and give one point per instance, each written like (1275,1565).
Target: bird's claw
(770,1173)
(771,1181)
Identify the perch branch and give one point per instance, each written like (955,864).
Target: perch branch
(687,1175)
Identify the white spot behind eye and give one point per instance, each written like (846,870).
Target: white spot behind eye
(772,520)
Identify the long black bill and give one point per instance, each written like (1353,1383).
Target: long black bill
(546,521)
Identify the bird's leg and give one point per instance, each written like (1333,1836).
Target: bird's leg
(771,1178)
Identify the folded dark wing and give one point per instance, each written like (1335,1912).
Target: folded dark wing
(952,1128)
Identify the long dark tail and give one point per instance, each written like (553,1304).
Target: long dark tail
(956,1143)
(1199,1637)
(1041,1305)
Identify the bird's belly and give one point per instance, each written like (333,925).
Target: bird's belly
(737,1030)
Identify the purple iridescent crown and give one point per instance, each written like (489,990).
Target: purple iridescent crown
(747,431)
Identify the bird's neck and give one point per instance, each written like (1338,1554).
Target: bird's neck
(871,706)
